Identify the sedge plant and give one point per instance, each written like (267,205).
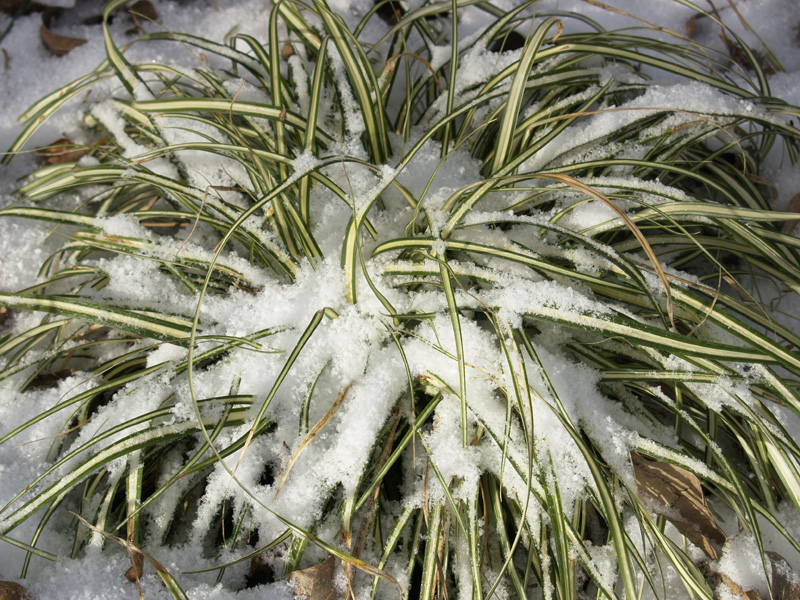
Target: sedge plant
(433,305)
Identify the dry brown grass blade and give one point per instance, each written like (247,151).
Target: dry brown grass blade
(371,504)
(648,250)
(314,431)
(315,583)
(391,65)
(676,494)
(618,11)
(136,555)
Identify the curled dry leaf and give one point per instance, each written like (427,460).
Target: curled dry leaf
(3,314)
(61,151)
(785,582)
(317,582)
(794,207)
(260,571)
(144,9)
(134,573)
(735,589)
(58,44)
(13,591)
(691,25)
(676,494)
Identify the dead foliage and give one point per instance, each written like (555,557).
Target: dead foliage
(794,207)
(136,570)
(141,11)
(143,8)
(4,313)
(676,494)
(785,582)
(734,589)
(337,403)
(317,582)
(260,571)
(61,151)
(137,558)
(691,25)
(13,591)
(57,44)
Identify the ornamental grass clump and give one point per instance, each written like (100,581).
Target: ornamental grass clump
(462,316)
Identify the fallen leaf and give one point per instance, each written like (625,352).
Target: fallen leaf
(794,207)
(58,44)
(315,583)
(143,8)
(260,570)
(134,573)
(61,151)
(13,591)
(691,25)
(677,494)
(3,314)
(785,582)
(286,51)
(736,590)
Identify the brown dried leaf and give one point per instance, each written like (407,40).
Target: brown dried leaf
(317,582)
(736,590)
(260,570)
(13,591)
(677,494)
(58,44)
(691,25)
(794,207)
(145,9)
(785,582)
(134,573)
(61,151)
(286,50)
(4,313)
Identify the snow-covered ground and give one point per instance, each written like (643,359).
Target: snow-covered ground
(28,70)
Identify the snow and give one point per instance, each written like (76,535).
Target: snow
(357,345)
